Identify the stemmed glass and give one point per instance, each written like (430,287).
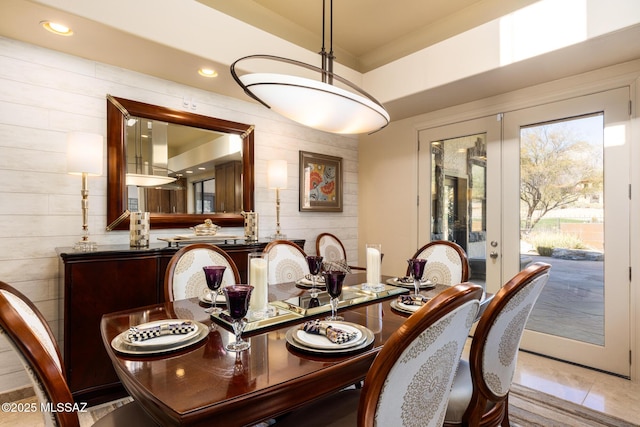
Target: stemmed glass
(416,268)
(213,274)
(238,303)
(315,265)
(333,281)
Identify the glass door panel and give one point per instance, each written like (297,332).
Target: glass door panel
(453,172)
(562,223)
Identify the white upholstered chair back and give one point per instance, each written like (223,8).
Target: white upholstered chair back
(481,388)
(38,343)
(418,384)
(500,350)
(447,263)
(184,277)
(330,247)
(29,335)
(286,262)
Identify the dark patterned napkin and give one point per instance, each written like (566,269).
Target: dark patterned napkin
(137,334)
(337,265)
(319,278)
(412,299)
(335,335)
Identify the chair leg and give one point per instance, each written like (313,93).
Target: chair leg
(505,419)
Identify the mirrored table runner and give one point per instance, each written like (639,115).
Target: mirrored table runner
(291,303)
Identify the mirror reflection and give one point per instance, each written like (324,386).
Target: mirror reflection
(171,168)
(213,156)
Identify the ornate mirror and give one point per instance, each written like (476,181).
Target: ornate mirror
(181,167)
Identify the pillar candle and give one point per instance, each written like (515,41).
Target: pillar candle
(373,266)
(258,279)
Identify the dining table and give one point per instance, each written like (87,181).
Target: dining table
(202,383)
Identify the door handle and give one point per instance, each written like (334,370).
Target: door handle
(493,254)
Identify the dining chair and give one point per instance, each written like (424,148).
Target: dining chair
(447,263)
(29,334)
(286,262)
(409,381)
(480,392)
(332,250)
(184,277)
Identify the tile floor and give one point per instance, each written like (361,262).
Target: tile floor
(596,390)
(593,389)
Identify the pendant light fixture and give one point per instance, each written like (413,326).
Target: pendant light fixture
(319,103)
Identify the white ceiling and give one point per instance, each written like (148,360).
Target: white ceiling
(367,35)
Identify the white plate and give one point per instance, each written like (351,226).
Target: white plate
(322,342)
(122,345)
(404,307)
(366,339)
(424,284)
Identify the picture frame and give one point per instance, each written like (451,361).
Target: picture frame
(320,183)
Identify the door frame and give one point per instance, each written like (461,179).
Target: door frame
(613,356)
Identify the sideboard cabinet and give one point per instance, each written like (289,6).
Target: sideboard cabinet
(111,279)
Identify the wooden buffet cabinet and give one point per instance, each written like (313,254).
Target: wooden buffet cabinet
(112,279)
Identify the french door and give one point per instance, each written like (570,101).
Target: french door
(490,190)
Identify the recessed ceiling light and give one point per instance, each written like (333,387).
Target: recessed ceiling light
(207,72)
(56,28)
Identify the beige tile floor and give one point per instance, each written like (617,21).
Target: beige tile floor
(593,389)
(596,390)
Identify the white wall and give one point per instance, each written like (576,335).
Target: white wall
(44,94)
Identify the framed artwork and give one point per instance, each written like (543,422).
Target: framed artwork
(320,183)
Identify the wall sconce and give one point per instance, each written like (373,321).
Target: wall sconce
(277,180)
(84,157)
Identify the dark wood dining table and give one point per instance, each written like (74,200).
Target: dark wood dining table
(204,384)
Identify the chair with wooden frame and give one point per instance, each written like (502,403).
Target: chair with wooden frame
(184,277)
(447,262)
(410,379)
(29,334)
(480,391)
(332,250)
(286,261)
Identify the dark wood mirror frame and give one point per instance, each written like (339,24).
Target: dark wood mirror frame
(118,110)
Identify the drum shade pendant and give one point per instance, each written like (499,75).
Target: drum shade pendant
(319,104)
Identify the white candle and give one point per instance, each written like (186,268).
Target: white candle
(258,279)
(373,266)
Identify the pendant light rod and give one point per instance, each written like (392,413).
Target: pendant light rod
(327,59)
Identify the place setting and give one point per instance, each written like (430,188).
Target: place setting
(408,282)
(331,335)
(414,280)
(409,303)
(160,336)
